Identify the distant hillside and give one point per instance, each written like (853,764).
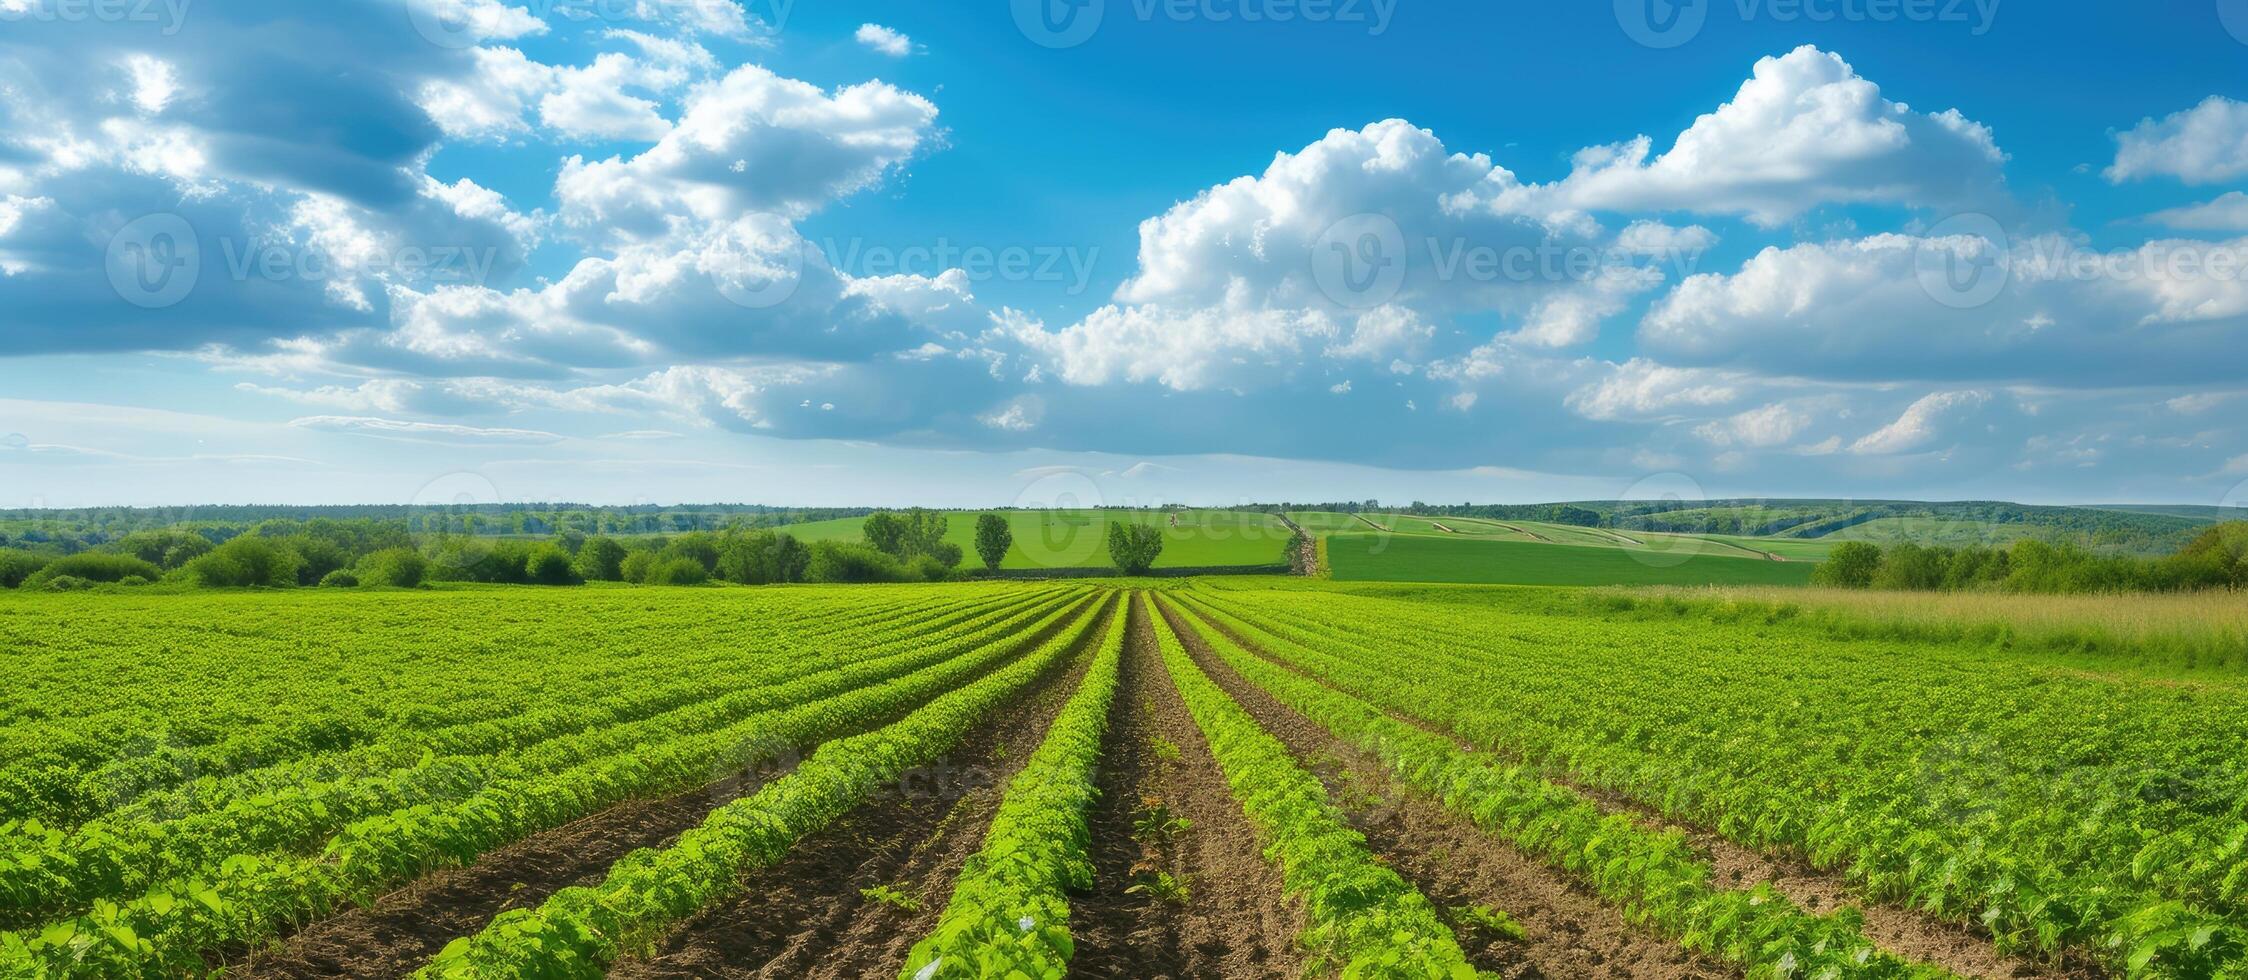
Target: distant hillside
(2132,529)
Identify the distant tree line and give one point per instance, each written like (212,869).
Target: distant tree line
(2215,559)
(2103,529)
(355,552)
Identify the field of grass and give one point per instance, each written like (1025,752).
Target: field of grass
(1079,538)
(1421,558)
(213,783)
(2193,628)
(1938,531)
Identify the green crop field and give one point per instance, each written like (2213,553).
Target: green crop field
(1078,538)
(1419,558)
(613,780)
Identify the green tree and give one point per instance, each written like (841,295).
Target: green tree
(913,534)
(601,560)
(15,566)
(549,564)
(994,536)
(1134,547)
(398,568)
(1850,566)
(247,561)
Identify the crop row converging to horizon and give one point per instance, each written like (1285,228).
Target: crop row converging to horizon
(206,781)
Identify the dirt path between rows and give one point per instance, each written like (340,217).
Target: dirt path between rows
(1235,922)
(1570,933)
(403,929)
(1953,946)
(809,916)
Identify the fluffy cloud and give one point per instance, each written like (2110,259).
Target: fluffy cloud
(1641,389)
(1922,423)
(751,142)
(2226,213)
(1757,428)
(2202,145)
(1804,130)
(1882,307)
(883,40)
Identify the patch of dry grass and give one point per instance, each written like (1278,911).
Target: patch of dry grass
(2191,629)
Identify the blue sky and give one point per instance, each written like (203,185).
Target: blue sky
(1200,251)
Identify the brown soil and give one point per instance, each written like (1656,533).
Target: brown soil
(808,916)
(1954,946)
(405,928)
(402,930)
(1571,933)
(1235,922)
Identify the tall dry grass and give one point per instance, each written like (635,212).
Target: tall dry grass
(2193,630)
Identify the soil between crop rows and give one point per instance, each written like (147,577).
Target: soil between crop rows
(1235,922)
(809,916)
(1570,933)
(1913,935)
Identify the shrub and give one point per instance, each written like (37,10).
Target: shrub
(339,579)
(135,581)
(762,558)
(1850,566)
(601,560)
(636,566)
(66,583)
(835,562)
(16,565)
(930,567)
(700,547)
(550,565)
(92,567)
(167,547)
(244,562)
(402,568)
(320,556)
(678,571)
